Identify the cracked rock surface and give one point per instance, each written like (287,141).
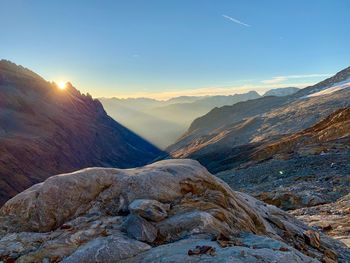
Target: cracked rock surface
(156,213)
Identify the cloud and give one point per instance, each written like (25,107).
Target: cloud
(235,20)
(280,79)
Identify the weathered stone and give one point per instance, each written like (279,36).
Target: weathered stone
(333,218)
(312,238)
(107,250)
(267,250)
(84,216)
(140,229)
(149,209)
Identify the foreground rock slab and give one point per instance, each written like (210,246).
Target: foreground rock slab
(156,213)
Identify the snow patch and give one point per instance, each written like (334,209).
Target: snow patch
(329,90)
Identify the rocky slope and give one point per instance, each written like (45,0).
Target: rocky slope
(170,211)
(225,134)
(329,135)
(45,131)
(304,169)
(332,218)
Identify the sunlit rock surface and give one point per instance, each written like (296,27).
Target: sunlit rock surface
(85,217)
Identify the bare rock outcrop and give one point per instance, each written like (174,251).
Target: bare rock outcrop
(333,218)
(95,215)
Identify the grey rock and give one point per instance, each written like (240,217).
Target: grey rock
(107,250)
(140,229)
(149,209)
(82,216)
(264,250)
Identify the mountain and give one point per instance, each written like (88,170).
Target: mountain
(305,169)
(45,131)
(169,211)
(281,91)
(221,138)
(170,118)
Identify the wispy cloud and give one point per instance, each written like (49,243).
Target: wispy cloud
(280,79)
(235,20)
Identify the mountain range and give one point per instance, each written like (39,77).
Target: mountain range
(45,131)
(220,138)
(163,122)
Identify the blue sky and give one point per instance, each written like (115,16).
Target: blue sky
(169,48)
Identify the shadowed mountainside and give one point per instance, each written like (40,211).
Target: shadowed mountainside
(45,131)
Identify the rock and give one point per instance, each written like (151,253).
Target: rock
(333,218)
(312,238)
(304,182)
(83,217)
(200,250)
(138,228)
(289,200)
(149,209)
(109,249)
(266,251)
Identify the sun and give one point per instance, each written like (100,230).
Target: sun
(62,85)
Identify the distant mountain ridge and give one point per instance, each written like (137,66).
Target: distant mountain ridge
(169,118)
(281,91)
(45,131)
(172,117)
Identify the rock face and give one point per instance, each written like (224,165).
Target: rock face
(170,211)
(45,131)
(333,218)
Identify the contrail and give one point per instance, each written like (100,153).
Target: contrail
(236,21)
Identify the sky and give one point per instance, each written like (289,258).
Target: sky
(161,49)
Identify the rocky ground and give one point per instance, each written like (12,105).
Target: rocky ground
(332,218)
(294,183)
(170,211)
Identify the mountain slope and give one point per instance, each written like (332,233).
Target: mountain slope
(223,136)
(305,169)
(281,91)
(44,131)
(329,134)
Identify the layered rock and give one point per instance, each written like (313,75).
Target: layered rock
(170,211)
(333,218)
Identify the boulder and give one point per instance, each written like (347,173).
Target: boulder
(149,209)
(140,229)
(89,216)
